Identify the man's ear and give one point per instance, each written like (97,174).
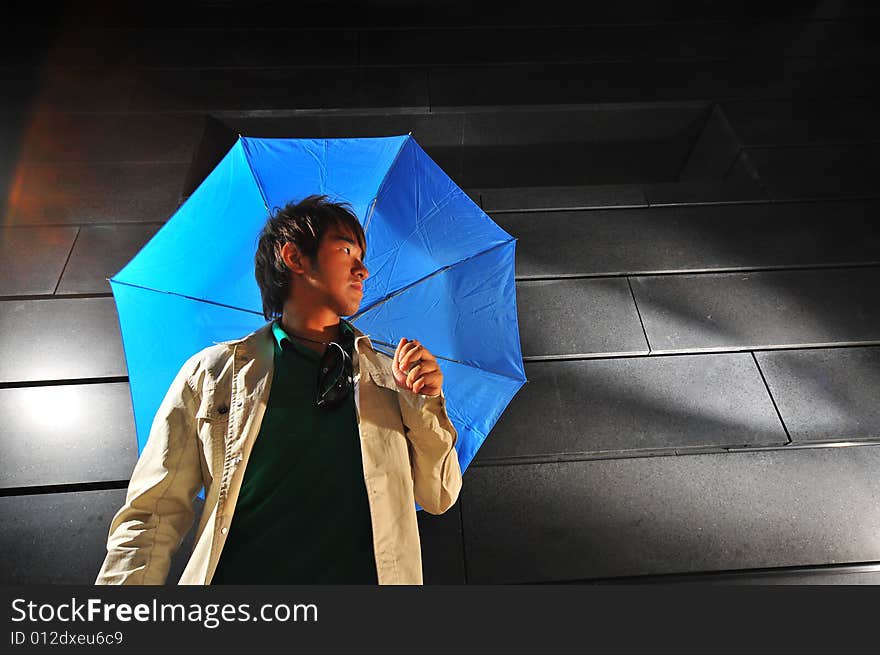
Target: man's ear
(292,257)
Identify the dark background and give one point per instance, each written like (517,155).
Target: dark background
(694,192)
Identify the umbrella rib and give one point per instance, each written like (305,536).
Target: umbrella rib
(384,179)
(183,295)
(247,160)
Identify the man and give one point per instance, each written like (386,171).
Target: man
(313,447)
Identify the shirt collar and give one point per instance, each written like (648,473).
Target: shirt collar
(281,335)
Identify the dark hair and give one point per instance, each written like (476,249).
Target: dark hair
(304,223)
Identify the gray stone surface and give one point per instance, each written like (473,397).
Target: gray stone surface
(71,193)
(578,317)
(650,42)
(210,48)
(575,147)
(654,81)
(32,258)
(66,434)
(854,575)
(826,394)
(74,89)
(107,137)
(832,170)
(100,252)
(539,198)
(278,88)
(782,121)
(561,126)
(61,538)
(850,574)
(606,518)
(442,547)
(759,309)
(714,151)
(60,339)
(738,185)
(571,164)
(682,238)
(589,407)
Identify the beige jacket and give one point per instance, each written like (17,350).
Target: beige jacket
(203,433)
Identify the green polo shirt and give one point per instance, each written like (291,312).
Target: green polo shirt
(302,516)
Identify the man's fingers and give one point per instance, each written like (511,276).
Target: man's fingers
(398,350)
(412,374)
(413,352)
(402,346)
(407,354)
(424,381)
(420,370)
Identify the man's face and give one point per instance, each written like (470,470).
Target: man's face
(338,278)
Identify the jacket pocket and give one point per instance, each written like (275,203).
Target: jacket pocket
(213,411)
(207,409)
(379,374)
(212,418)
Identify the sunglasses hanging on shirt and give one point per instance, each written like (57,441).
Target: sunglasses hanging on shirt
(335,372)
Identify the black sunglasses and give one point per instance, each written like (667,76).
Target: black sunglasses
(334,382)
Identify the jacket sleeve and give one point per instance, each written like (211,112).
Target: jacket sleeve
(158,510)
(433,458)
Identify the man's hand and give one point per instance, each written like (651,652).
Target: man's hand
(416,369)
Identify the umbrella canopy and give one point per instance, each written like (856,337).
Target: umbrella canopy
(441,271)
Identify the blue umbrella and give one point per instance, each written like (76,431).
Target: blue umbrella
(441,271)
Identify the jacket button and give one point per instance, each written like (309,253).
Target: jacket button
(223,409)
(238,459)
(224,530)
